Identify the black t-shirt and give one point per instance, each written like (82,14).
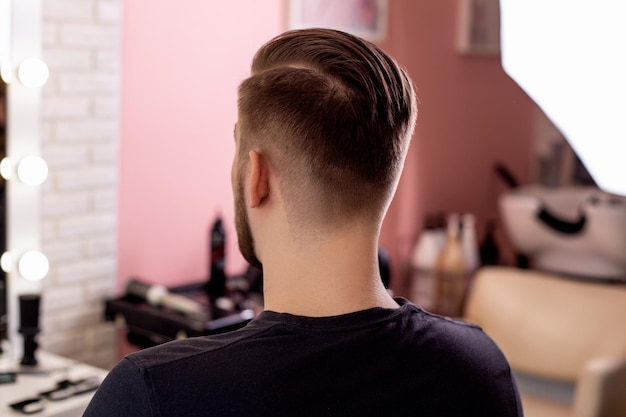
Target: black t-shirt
(375,362)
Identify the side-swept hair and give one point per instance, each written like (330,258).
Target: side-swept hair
(336,112)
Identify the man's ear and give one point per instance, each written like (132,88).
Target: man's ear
(259,178)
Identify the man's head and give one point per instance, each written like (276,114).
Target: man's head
(334,115)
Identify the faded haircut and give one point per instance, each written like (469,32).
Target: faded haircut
(335,114)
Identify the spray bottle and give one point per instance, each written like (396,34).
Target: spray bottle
(216,286)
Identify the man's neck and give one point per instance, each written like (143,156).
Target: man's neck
(328,277)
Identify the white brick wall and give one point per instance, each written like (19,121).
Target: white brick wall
(79,203)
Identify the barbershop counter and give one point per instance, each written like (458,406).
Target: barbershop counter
(51,376)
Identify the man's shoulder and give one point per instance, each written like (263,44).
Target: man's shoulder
(441,326)
(185,351)
(452,339)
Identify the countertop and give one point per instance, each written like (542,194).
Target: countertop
(44,377)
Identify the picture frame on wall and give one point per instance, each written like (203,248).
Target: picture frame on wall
(364,18)
(478,28)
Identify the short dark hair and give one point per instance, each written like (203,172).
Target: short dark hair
(335,110)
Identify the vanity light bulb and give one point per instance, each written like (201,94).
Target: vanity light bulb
(6,262)
(32,170)
(6,168)
(33,72)
(6,73)
(33,265)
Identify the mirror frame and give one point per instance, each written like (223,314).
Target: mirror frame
(23,138)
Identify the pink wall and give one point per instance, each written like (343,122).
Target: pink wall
(182,62)
(471,114)
(180,71)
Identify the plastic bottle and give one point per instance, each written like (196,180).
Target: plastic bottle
(451,276)
(216,286)
(424,262)
(469,242)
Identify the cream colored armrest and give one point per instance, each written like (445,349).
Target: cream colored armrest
(601,389)
(547,325)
